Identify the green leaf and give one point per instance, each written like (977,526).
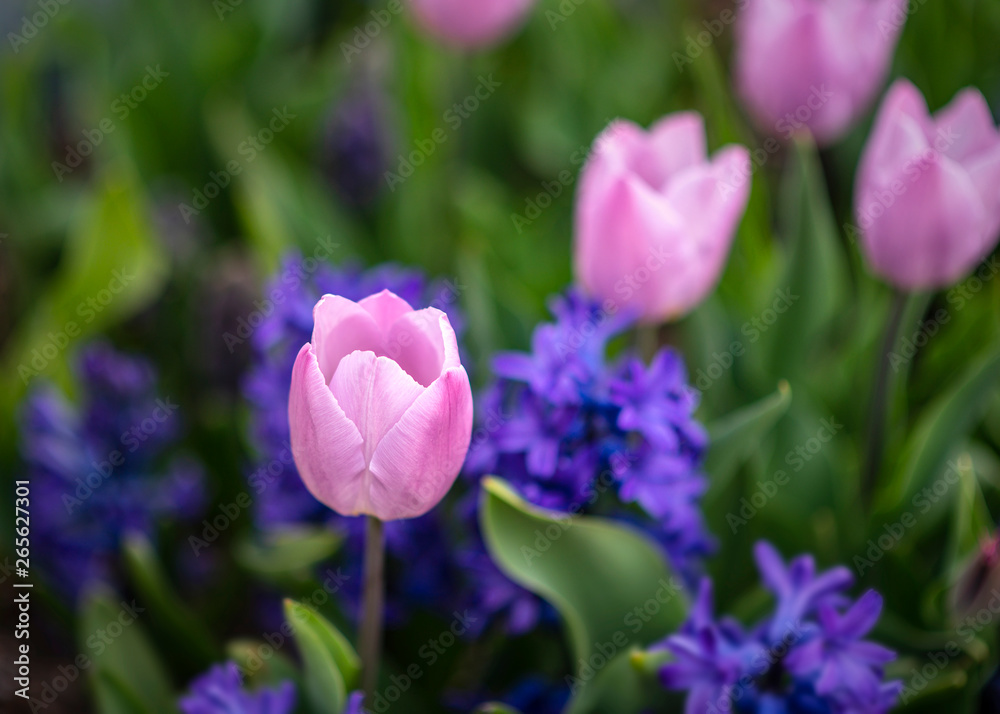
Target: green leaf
(608,581)
(736,436)
(288,553)
(115,696)
(331,664)
(154,587)
(112,266)
(816,276)
(127,670)
(941,429)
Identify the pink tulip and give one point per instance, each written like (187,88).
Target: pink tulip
(380,407)
(470,24)
(813,64)
(655,217)
(927,195)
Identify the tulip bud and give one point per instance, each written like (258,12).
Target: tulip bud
(655,217)
(468,24)
(380,408)
(927,196)
(979,581)
(813,64)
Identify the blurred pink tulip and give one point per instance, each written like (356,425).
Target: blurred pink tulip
(813,64)
(470,24)
(655,217)
(380,407)
(927,195)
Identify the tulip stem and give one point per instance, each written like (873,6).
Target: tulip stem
(647,341)
(880,398)
(372,605)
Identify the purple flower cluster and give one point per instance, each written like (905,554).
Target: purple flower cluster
(220,691)
(565,425)
(427,573)
(99,466)
(808,656)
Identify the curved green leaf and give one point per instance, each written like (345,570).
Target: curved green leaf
(331,664)
(941,430)
(288,553)
(122,656)
(609,582)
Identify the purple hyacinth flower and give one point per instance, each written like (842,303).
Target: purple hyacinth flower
(797,587)
(221,691)
(849,668)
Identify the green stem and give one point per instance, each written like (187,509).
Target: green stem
(647,341)
(880,399)
(374,595)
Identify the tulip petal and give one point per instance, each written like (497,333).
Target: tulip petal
(417,461)
(424,344)
(930,235)
(470,24)
(385,308)
(374,392)
(328,448)
(674,143)
(965,128)
(341,327)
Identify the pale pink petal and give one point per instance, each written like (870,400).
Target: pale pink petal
(385,308)
(965,128)
(327,447)
(341,327)
(417,461)
(931,234)
(470,24)
(674,143)
(424,344)
(374,392)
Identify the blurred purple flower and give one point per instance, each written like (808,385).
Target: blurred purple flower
(563,423)
(356,145)
(99,465)
(809,656)
(220,691)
